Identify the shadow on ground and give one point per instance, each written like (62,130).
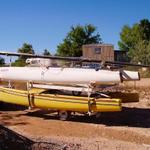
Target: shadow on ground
(10,140)
(132,117)
(11,107)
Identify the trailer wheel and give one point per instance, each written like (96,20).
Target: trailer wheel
(76,93)
(64,115)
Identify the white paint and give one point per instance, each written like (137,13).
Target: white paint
(63,75)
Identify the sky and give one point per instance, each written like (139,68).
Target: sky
(45,23)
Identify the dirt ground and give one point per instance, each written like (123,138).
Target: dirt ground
(129,129)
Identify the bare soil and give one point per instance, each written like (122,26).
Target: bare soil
(41,129)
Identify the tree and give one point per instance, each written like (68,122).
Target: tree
(141,53)
(26,48)
(78,36)
(144,28)
(2,61)
(46,52)
(136,41)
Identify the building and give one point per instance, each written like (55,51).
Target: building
(121,56)
(104,52)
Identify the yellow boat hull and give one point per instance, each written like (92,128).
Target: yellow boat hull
(58,102)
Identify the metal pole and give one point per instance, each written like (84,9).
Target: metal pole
(9,82)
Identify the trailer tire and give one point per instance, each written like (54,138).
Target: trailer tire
(76,93)
(64,115)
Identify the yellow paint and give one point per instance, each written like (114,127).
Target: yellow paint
(58,102)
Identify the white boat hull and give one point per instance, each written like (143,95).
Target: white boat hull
(64,75)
